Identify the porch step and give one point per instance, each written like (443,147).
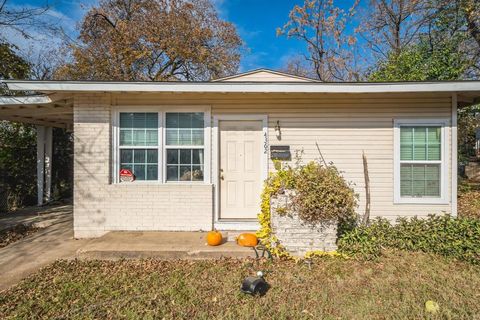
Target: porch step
(231,235)
(160,245)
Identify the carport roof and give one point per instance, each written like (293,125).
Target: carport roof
(43,110)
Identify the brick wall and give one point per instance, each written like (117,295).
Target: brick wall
(296,236)
(100,206)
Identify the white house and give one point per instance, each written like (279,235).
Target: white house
(199,151)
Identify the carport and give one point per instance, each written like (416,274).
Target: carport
(45,112)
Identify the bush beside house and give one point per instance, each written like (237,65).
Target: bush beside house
(301,208)
(452,237)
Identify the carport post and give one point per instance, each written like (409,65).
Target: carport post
(48,163)
(44,164)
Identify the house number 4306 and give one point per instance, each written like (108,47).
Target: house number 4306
(265,143)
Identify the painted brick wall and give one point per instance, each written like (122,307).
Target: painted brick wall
(296,236)
(100,206)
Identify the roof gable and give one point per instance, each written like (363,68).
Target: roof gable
(264,75)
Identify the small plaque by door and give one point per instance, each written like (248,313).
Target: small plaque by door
(280,153)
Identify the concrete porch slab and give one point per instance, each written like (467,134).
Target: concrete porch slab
(159,245)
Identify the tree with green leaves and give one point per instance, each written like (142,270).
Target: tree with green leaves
(12,66)
(421,62)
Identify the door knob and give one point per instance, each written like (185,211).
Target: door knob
(221,174)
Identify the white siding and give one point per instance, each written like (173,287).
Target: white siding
(342,125)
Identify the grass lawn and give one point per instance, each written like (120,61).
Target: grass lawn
(394,287)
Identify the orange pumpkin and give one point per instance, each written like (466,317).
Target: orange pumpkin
(214,238)
(247,240)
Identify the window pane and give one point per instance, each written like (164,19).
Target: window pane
(152,172)
(406,143)
(186,156)
(126,156)
(420,180)
(406,188)
(172,156)
(197,137)
(434,135)
(152,156)
(185,137)
(185,173)
(185,120)
(138,137)
(185,128)
(139,120)
(433,188)
(139,171)
(418,188)
(142,162)
(197,173)
(126,137)
(172,173)
(197,156)
(172,120)
(139,129)
(126,120)
(151,120)
(197,120)
(151,137)
(420,143)
(434,152)
(172,137)
(139,155)
(432,172)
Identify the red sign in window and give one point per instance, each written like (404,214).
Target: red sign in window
(126,175)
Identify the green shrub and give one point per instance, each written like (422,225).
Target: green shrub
(452,237)
(322,194)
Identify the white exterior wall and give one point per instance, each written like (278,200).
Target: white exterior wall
(100,206)
(342,125)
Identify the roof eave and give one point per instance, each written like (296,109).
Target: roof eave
(244,87)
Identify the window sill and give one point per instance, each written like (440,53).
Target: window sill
(158,183)
(422,201)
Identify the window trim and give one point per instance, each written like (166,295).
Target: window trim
(161,110)
(189,147)
(443,123)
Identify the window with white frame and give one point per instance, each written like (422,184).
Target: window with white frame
(140,147)
(184,144)
(420,161)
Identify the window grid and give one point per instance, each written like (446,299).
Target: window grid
(411,176)
(178,122)
(143,170)
(159,144)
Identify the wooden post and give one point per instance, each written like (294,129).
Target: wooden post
(40,163)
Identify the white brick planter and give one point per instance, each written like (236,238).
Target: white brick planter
(295,235)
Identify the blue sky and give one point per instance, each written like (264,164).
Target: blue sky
(256,22)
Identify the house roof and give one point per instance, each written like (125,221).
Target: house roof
(265,75)
(54,107)
(244,87)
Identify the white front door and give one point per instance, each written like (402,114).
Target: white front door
(240,175)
